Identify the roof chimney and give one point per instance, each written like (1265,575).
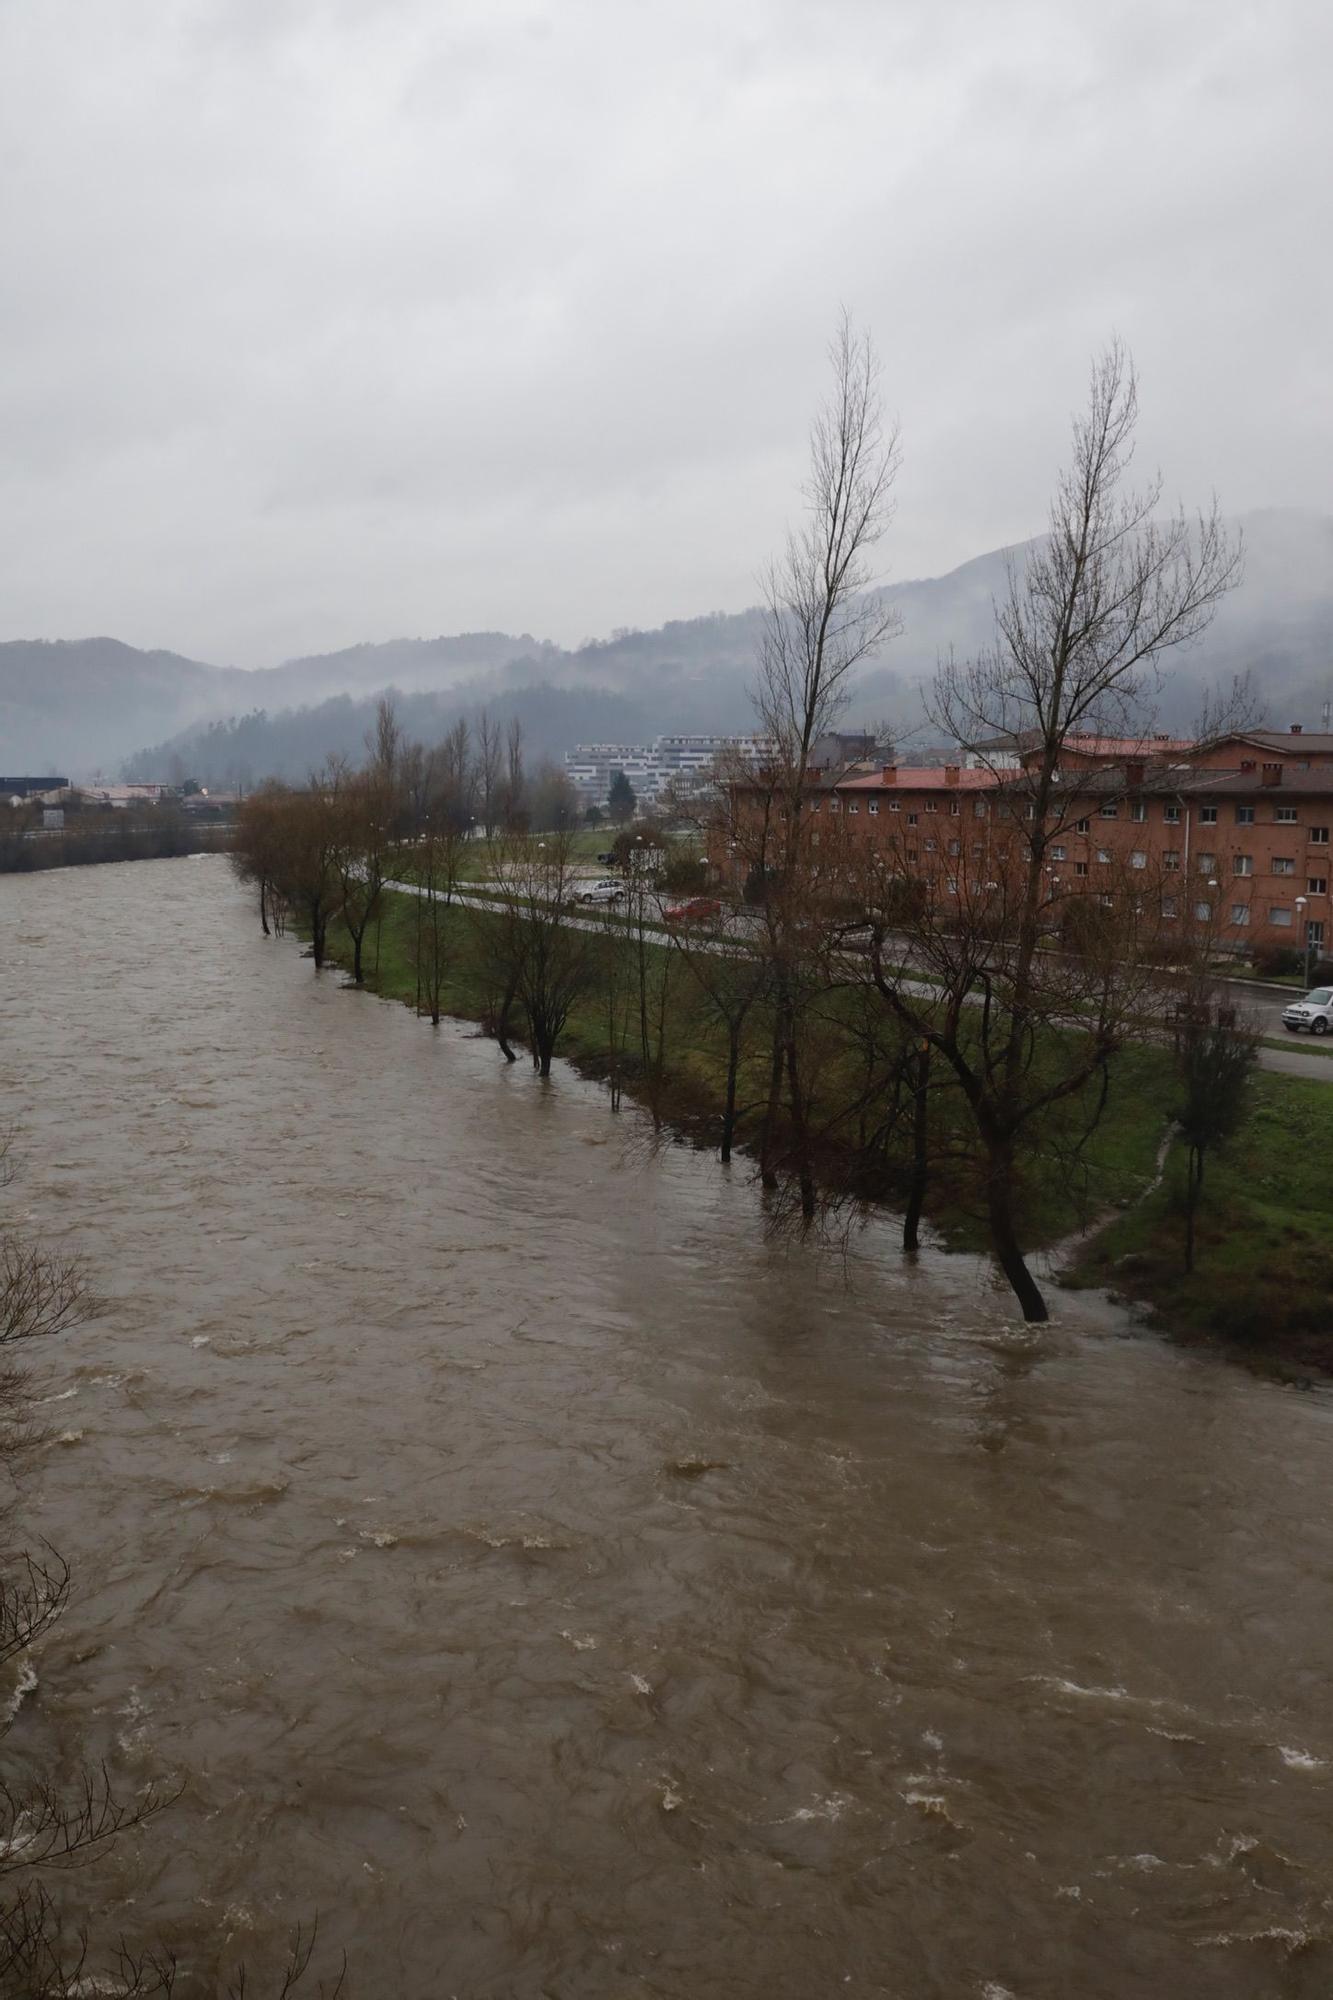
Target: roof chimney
(1134,772)
(1296,728)
(1270,774)
(951,774)
(890,774)
(1247,763)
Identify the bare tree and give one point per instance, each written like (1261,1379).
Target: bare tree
(1080,638)
(822,619)
(1216,1050)
(542,957)
(490,752)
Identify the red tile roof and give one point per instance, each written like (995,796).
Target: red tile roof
(919,778)
(1127,746)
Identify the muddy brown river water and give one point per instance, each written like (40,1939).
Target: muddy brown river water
(565,1592)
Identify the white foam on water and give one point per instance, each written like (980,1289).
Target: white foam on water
(671,1799)
(585,1643)
(1274,1934)
(25,1681)
(640,1685)
(1299,1760)
(379,1538)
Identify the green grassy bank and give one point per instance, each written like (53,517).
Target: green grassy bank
(1263,1274)
(1265,1261)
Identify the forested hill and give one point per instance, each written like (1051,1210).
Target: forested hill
(96,704)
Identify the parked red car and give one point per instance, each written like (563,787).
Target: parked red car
(698,910)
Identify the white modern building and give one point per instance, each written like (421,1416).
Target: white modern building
(685,762)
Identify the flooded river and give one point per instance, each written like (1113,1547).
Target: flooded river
(566,1593)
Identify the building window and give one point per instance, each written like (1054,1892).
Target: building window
(1103,854)
(979,808)
(1138,810)
(1283,865)
(1058,854)
(833,805)
(1318,836)
(1082,826)
(1170,907)
(953,885)
(955,847)
(1111,812)
(1285,815)
(911,854)
(1138,859)
(1171,814)
(1242,864)
(814,805)
(1080,867)
(1207,815)
(1317,885)
(852,806)
(1240,914)
(1202,912)
(1280,917)
(931,846)
(1207,863)
(954,808)
(977,850)
(1107,902)
(873,807)
(1314,931)
(932,805)
(1244,815)
(1171,859)
(894,806)
(912,818)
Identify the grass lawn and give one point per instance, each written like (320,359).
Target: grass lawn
(1264,1267)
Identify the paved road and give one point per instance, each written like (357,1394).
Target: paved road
(1304,1057)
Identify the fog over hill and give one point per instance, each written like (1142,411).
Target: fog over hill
(95,704)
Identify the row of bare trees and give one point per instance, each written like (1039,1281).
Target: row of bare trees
(966,990)
(861,1010)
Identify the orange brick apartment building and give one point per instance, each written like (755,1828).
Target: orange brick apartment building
(1234,833)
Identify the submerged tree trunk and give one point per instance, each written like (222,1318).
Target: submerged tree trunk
(800,1132)
(729,1105)
(916,1192)
(768,1177)
(1004,1236)
(263,906)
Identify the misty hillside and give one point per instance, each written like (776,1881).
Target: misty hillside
(93,704)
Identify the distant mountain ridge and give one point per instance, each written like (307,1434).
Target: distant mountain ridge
(89,705)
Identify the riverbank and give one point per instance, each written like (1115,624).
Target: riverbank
(683,1087)
(85,847)
(1263,1277)
(1264,1270)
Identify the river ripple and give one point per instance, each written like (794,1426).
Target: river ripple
(569,1594)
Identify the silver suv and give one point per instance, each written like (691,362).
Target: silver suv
(1314,1012)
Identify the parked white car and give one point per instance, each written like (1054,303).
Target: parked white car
(605,891)
(1314,1012)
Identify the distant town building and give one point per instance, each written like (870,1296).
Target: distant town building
(684,762)
(18,789)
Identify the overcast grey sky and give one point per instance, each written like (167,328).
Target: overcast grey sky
(338,319)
